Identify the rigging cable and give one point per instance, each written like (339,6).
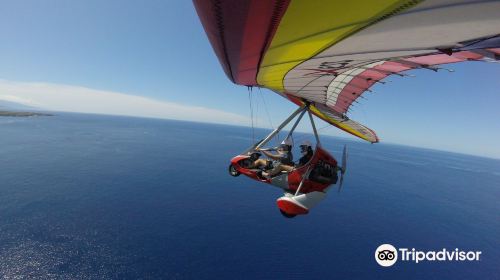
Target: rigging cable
(251,112)
(265,107)
(268,115)
(299,138)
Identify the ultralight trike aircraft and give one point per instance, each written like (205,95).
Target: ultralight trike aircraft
(304,186)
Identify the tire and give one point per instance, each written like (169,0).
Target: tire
(232,171)
(286,215)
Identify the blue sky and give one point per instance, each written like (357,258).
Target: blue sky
(158,50)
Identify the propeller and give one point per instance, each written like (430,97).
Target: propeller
(343,167)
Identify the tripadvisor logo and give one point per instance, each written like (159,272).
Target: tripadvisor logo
(387,255)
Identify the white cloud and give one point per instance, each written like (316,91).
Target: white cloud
(66,98)
(16,99)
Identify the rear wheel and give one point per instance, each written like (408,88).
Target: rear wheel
(286,215)
(232,171)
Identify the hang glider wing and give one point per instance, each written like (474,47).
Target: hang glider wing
(331,52)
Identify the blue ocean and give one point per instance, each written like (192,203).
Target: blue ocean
(102,197)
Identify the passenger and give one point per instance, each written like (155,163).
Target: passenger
(283,159)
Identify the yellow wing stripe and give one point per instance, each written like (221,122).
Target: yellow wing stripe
(310,26)
(367,135)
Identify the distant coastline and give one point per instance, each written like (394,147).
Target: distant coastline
(22,114)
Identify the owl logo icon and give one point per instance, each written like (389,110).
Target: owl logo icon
(386,255)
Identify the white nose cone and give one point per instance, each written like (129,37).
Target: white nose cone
(300,204)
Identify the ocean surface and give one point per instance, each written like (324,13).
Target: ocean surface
(99,197)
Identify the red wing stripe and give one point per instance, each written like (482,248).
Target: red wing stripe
(261,25)
(240,32)
(224,22)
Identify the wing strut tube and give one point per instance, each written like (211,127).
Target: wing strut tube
(314,127)
(301,110)
(295,124)
(264,141)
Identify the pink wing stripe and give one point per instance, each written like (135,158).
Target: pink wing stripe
(363,81)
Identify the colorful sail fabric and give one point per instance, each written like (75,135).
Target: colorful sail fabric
(329,52)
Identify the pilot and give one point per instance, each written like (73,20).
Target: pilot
(282,159)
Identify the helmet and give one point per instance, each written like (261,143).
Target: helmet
(306,143)
(305,146)
(287,142)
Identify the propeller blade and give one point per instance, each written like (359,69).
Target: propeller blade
(341,181)
(343,167)
(344,159)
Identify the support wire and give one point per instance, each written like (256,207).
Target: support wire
(251,111)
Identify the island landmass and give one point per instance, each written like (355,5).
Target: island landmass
(22,114)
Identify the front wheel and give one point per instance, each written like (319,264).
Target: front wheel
(286,215)
(232,171)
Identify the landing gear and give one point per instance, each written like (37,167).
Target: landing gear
(232,171)
(286,215)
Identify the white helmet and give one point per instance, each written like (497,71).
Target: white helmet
(287,142)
